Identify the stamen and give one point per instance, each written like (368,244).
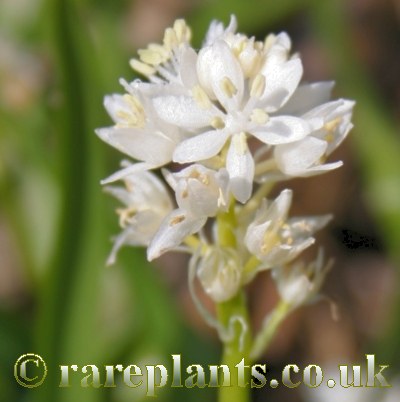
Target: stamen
(201,97)
(228,87)
(217,123)
(170,39)
(269,41)
(177,219)
(259,116)
(142,68)
(333,124)
(258,86)
(240,143)
(126,215)
(154,55)
(182,31)
(136,116)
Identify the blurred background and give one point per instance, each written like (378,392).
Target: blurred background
(58,58)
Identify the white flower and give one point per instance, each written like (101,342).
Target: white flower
(198,110)
(241,85)
(219,273)
(146,203)
(307,156)
(200,193)
(138,132)
(298,284)
(203,106)
(276,240)
(173,230)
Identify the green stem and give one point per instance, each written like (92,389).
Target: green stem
(270,326)
(233,316)
(235,349)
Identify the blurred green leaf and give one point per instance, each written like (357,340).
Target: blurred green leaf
(376,143)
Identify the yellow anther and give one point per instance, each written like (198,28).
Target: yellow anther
(126,215)
(249,55)
(201,97)
(182,31)
(259,116)
(270,240)
(269,42)
(177,219)
(259,46)
(333,124)
(155,47)
(217,123)
(134,102)
(142,68)
(250,63)
(135,116)
(154,55)
(170,39)
(258,86)
(240,143)
(228,87)
(329,137)
(239,46)
(202,178)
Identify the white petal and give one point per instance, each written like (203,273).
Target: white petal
(200,147)
(294,291)
(268,218)
(219,274)
(215,64)
(337,113)
(285,129)
(331,109)
(173,230)
(142,144)
(303,227)
(254,237)
(313,171)
(217,30)
(295,158)
(114,104)
(182,111)
(201,191)
(281,80)
(188,60)
(283,40)
(281,205)
(126,171)
(169,178)
(194,197)
(119,241)
(148,191)
(240,166)
(284,253)
(308,96)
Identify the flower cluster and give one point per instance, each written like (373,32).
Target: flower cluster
(223,124)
